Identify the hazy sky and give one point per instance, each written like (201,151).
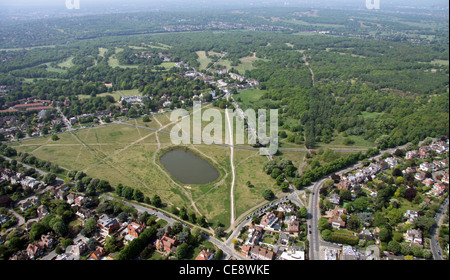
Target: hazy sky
(22,8)
(61,3)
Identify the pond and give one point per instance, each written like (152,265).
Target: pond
(188,168)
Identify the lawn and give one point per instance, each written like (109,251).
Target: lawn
(128,155)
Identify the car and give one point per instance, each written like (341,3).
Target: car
(309,232)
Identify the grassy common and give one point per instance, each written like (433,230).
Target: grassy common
(128,155)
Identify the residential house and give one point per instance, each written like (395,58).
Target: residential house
(445,178)
(414,236)
(428,182)
(42,211)
(286,208)
(167,244)
(107,225)
(263,254)
(34,250)
(350,253)
(335,220)
(293,224)
(335,198)
(391,161)
(424,152)
(255,234)
(48,240)
(295,253)
(205,255)
(132,231)
(438,189)
(412,154)
(79,248)
(98,253)
(269,220)
(283,239)
(410,216)
(246,250)
(419,176)
(427,167)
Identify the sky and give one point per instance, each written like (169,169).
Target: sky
(88,3)
(23,8)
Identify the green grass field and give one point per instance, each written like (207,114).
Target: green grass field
(129,155)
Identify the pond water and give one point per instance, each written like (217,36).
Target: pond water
(188,168)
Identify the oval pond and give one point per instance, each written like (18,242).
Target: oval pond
(188,168)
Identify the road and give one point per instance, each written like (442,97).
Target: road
(435,247)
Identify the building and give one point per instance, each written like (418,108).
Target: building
(269,220)
(259,253)
(414,236)
(293,254)
(205,255)
(335,219)
(107,225)
(411,215)
(167,244)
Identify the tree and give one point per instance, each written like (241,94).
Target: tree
(268,195)
(49,178)
(410,193)
(182,251)
(91,225)
(60,228)
(54,137)
(394,247)
(156,201)
(138,195)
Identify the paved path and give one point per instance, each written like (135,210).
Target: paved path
(233,173)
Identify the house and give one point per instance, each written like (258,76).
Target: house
(269,220)
(107,225)
(246,250)
(48,240)
(293,224)
(344,185)
(366,235)
(42,211)
(424,152)
(78,249)
(428,182)
(438,189)
(132,231)
(391,161)
(98,253)
(350,253)
(34,250)
(19,256)
(71,198)
(293,254)
(412,154)
(335,198)
(167,244)
(445,178)
(259,253)
(410,216)
(255,234)
(85,213)
(409,170)
(335,220)
(205,255)
(419,176)
(286,208)
(427,167)
(414,236)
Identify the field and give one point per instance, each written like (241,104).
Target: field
(129,155)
